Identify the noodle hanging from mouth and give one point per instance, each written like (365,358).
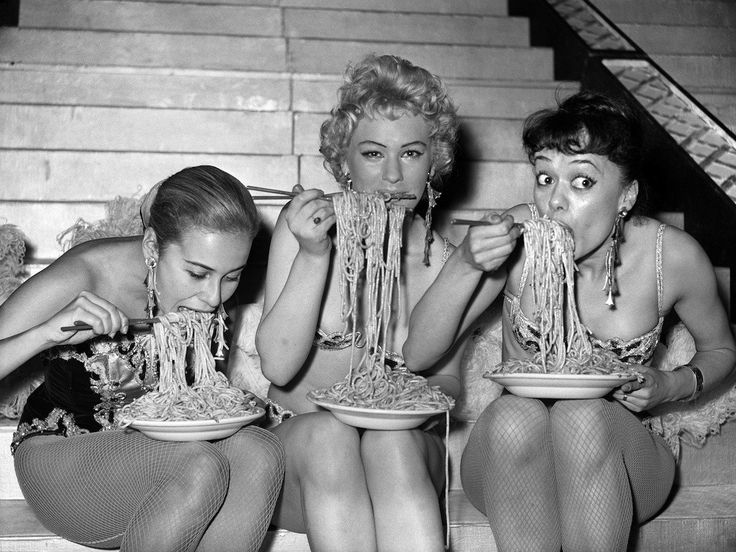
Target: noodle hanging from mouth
(180,340)
(369,240)
(563,343)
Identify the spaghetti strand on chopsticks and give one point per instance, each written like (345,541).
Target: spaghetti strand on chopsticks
(562,341)
(369,240)
(180,341)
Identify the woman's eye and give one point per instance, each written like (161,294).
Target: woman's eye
(544,179)
(413,153)
(372,154)
(235,278)
(583,182)
(197,275)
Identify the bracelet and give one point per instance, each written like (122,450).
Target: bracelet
(698,381)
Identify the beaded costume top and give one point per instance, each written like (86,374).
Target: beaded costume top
(637,350)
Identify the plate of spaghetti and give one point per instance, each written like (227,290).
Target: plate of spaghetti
(377,418)
(191,399)
(379,392)
(195,430)
(565,364)
(560,386)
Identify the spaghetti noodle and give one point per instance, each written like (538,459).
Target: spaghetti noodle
(369,239)
(563,343)
(179,341)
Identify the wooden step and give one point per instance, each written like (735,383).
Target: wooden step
(510,63)
(342,24)
(698,518)
(191,51)
(136,16)
(22,83)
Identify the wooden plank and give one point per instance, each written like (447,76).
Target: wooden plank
(327,56)
(151,17)
(144,87)
(136,129)
(142,49)
(408,27)
(38,175)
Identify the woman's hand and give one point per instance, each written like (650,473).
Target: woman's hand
(310,217)
(646,392)
(486,247)
(86,308)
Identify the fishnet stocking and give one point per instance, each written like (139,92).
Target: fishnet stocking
(595,498)
(256,460)
(506,473)
(121,489)
(591,461)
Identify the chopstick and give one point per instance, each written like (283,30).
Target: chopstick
(131,322)
(473,222)
(282,194)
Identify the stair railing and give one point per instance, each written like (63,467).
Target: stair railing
(690,156)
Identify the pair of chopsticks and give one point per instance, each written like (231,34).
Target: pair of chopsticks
(278,194)
(282,194)
(131,322)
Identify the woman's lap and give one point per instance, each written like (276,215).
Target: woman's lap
(649,464)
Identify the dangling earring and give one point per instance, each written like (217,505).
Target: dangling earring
(432,197)
(348,181)
(220,328)
(151,286)
(610,286)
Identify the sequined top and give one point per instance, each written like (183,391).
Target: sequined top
(638,350)
(85,386)
(331,341)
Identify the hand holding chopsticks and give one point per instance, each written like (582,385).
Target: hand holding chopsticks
(132,322)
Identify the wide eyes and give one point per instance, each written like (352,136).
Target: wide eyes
(580,182)
(544,179)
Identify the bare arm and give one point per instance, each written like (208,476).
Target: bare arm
(298,264)
(690,276)
(469,282)
(32,317)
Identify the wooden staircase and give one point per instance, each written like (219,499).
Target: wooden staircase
(100,98)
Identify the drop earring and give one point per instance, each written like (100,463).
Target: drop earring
(151,286)
(348,181)
(432,197)
(610,286)
(220,328)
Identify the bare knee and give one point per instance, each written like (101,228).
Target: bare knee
(324,451)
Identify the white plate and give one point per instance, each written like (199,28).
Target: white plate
(194,430)
(560,386)
(376,418)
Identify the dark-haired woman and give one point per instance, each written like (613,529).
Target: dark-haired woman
(85,478)
(575,474)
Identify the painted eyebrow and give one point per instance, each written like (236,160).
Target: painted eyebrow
(205,267)
(539,157)
(416,142)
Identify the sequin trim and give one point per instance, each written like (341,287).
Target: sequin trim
(58,422)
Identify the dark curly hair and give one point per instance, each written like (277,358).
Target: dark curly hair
(587,122)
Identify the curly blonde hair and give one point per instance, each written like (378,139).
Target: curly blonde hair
(389,86)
